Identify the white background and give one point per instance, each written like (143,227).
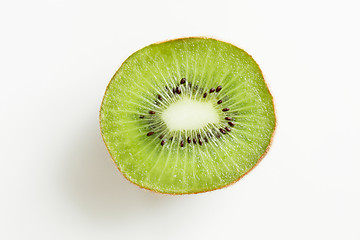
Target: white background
(57,180)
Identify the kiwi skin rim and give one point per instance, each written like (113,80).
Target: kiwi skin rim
(231,183)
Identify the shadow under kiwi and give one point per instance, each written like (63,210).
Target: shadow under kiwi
(96,187)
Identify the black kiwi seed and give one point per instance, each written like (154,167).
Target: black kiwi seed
(141,116)
(212,90)
(162,142)
(183,80)
(174,90)
(228,118)
(200,142)
(182,143)
(205,94)
(227,129)
(171,138)
(231,124)
(178,90)
(205,138)
(194,140)
(151,112)
(198,135)
(219,102)
(218,88)
(159,97)
(161,136)
(189,140)
(225,109)
(149,133)
(222,131)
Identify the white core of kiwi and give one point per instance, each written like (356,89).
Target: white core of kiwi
(189,114)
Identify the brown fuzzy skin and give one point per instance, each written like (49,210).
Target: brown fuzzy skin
(256,164)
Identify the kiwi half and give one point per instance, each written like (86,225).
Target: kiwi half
(187,116)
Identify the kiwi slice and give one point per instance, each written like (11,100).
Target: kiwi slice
(187,116)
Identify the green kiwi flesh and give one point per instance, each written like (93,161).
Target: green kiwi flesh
(225,133)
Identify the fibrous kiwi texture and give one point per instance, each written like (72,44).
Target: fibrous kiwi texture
(187,115)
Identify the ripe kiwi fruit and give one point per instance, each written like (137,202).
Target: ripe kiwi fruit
(187,116)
